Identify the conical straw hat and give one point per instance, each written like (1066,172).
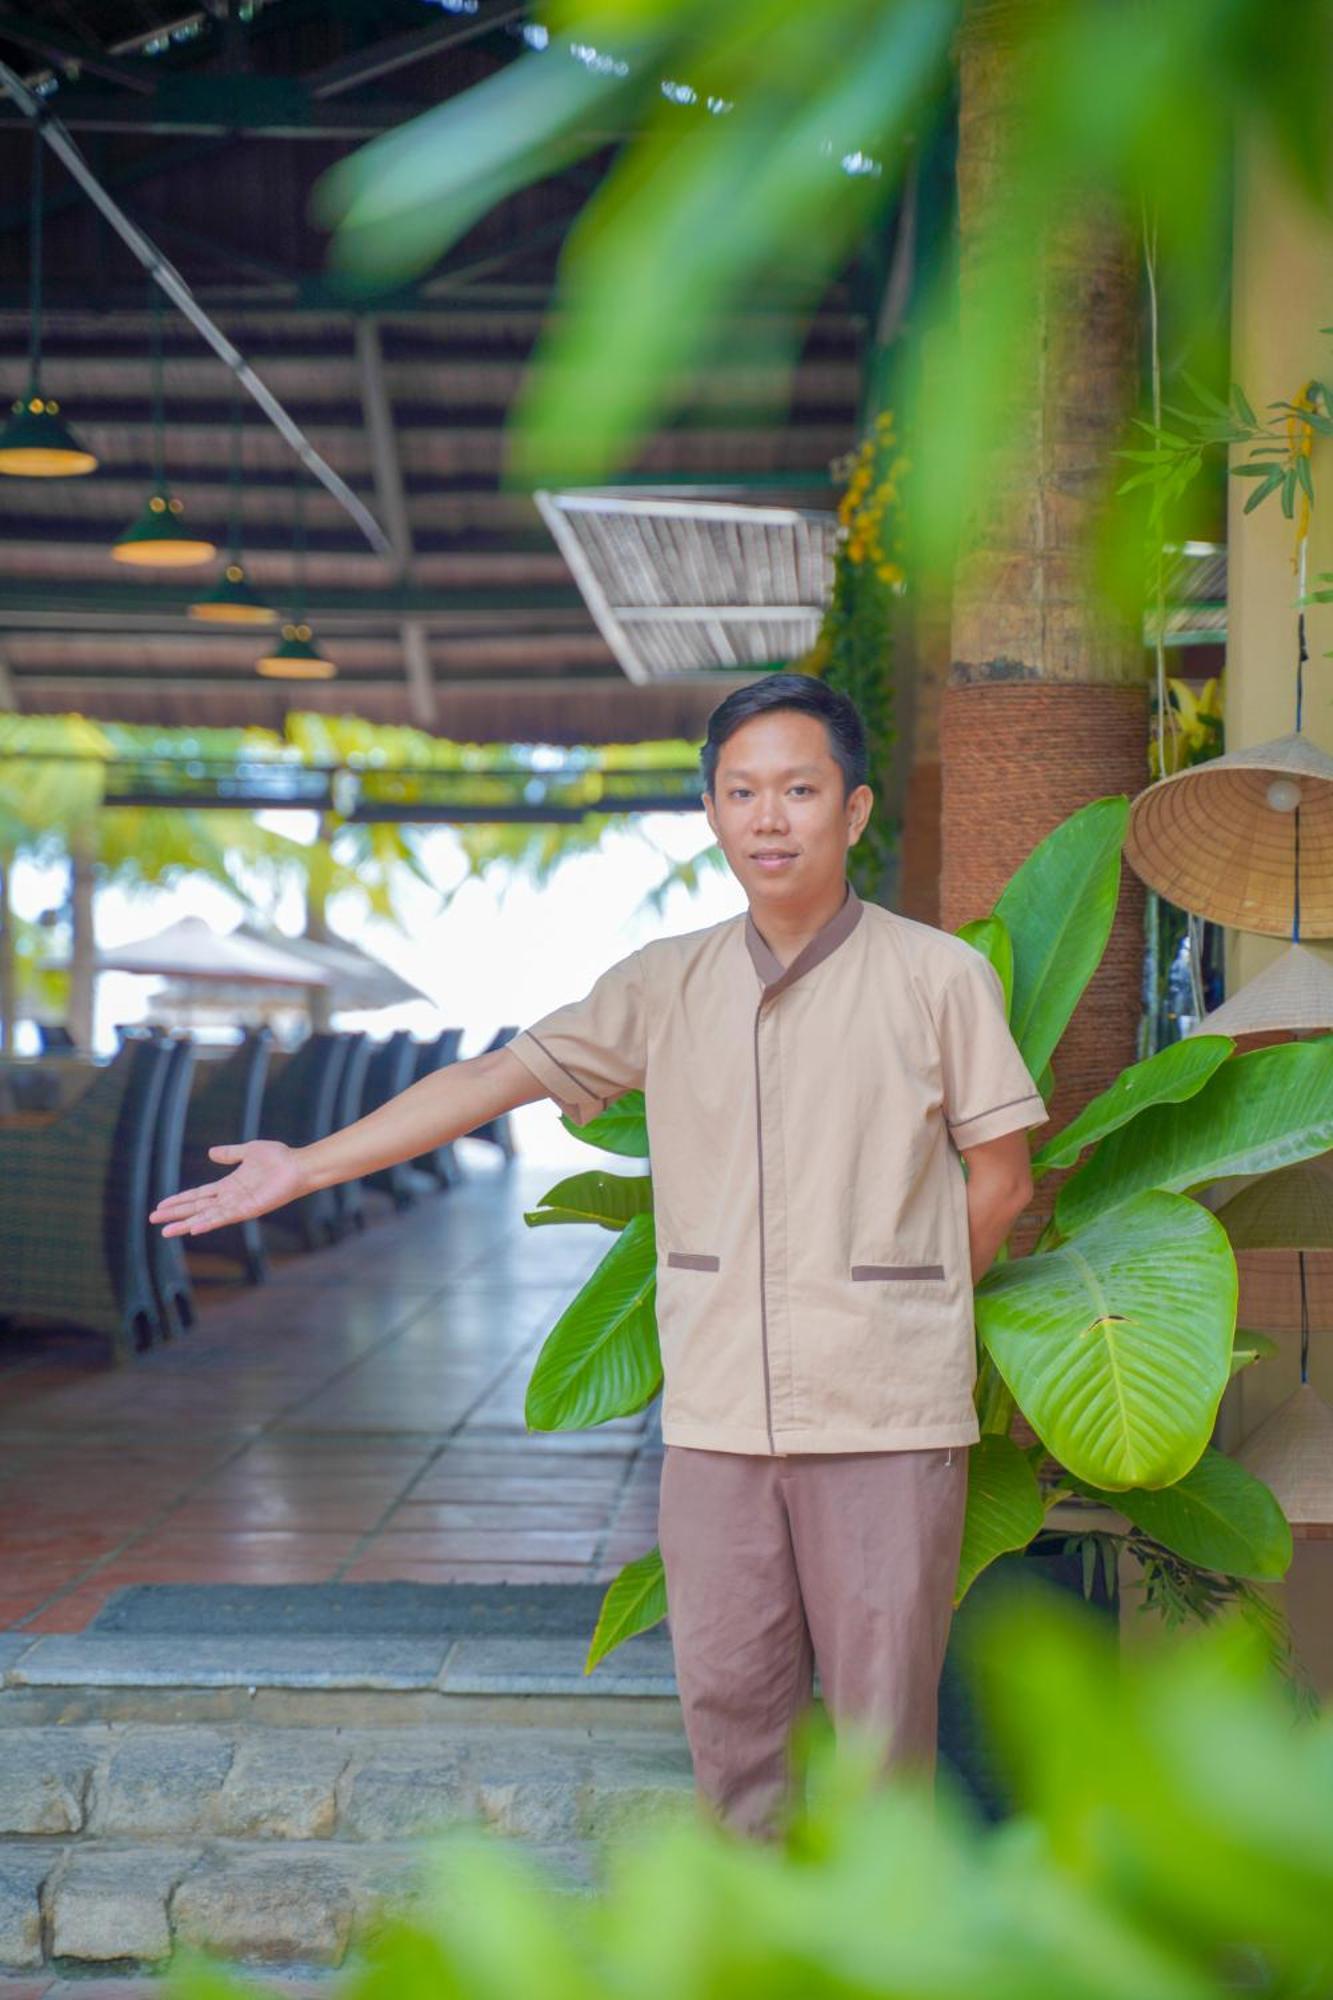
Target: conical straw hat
(1292,1452)
(1209,840)
(1291,1209)
(1295,992)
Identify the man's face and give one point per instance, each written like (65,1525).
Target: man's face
(778,810)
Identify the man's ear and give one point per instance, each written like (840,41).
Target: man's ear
(853,803)
(708,813)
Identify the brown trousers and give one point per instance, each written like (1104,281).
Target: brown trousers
(773,1565)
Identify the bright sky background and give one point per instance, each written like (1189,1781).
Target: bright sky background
(503,952)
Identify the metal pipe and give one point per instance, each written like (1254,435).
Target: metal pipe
(164,274)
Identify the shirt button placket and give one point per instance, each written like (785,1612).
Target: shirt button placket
(772,1213)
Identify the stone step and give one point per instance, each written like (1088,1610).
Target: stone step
(270,1844)
(235,1782)
(75,1908)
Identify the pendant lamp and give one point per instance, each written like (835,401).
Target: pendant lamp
(297,657)
(36,443)
(232,599)
(1292,1452)
(1293,994)
(1291,1209)
(1226,839)
(157,538)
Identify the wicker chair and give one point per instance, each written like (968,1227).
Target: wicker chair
(348,1195)
(392,1064)
(166,1257)
(74,1204)
(499,1131)
(224,1106)
(300,1106)
(441,1162)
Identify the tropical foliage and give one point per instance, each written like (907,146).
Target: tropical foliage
(1114,1337)
(767,139)
(53,772)
(1171,1835)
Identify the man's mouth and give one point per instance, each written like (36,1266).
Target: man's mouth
(774,857)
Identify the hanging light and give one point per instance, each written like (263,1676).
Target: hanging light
(37,443)
(233,600)
(297,656)
(157,538)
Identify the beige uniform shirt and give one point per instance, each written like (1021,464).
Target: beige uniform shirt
(814,1289)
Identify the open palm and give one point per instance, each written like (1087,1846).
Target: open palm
(265,1175)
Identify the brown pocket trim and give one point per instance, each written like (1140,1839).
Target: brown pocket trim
(897,1271)
(682,1261)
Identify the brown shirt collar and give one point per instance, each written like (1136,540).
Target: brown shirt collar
(773,976)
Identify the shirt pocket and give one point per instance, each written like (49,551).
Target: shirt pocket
(899,1274)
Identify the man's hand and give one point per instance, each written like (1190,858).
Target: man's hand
(266,1174)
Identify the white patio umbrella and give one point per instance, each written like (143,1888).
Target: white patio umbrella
(190,949)
(357,982)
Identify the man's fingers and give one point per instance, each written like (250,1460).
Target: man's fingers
(227,1155)
(184,1203)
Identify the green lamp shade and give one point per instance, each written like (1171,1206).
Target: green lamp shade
(36,443)
(232,601)
(158,539)
(296,658)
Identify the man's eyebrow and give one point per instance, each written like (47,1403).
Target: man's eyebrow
(731,771)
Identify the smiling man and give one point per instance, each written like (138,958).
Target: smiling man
(815,1073)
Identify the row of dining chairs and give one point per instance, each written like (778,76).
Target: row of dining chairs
(77,1184)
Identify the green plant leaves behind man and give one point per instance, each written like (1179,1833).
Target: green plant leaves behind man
(622,1128)
(1117,1344)
(1058,908)
(634,1601)
(608,1199)
(990,936)
(1171,1076)
(601,1358)
(1004,1506)
(1218,1516)
(1264,1109)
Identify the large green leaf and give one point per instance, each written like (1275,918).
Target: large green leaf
(622,1128)
(610,1199)
(1058,909)
(1004,1506)
(1171,1076)
(1117,1344)
(635,1600)
(601,1357)
(1218,1516)
(990,937)
(1266,1109)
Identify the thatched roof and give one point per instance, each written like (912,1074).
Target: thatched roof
(474,627)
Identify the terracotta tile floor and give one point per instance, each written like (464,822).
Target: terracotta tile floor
(358,1418)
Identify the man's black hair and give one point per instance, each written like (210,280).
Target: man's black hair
(838,713)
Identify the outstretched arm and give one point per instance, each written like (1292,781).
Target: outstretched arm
(267,1174)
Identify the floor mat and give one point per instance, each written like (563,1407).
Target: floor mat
(349,1610)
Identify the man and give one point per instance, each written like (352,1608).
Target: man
(814,1074)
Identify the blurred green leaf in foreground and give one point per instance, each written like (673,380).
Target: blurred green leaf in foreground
(1171,1839)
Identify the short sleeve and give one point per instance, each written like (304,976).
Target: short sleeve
(988,1089)
(590,1051)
